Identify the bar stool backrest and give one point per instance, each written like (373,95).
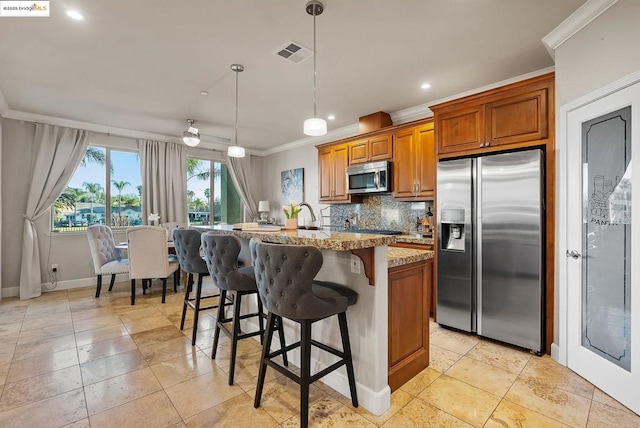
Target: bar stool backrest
(284,275)
(221,254)
(187,243)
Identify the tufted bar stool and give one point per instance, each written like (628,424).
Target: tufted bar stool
(285,278)
(187,245)
(221,254)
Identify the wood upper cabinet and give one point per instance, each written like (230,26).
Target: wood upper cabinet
(332,167)
(513,115)
(370,150)
(414,163)
(461,129)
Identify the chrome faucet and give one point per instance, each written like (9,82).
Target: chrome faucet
(313,215)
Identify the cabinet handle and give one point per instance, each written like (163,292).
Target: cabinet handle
(481,144)
(486,144)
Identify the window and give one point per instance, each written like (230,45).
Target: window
(87,199)
(223,204)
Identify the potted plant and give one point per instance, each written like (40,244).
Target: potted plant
(291,213)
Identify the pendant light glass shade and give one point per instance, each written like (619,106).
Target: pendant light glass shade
(236,151)
(191,137)
(315,126)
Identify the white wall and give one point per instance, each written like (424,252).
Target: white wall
(17,141)
(302,157)
(601,53)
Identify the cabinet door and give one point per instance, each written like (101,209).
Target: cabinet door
(519,118)
(408,322)
(426,161)
(380,148)
(358,152)
(461,129)
(325,168)
(404,177)
(340,163)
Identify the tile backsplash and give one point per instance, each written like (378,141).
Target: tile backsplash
(380,212)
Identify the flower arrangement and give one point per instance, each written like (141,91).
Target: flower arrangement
(153,218)
(291,211)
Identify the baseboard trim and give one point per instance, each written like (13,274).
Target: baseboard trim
(81,282)
(555,354)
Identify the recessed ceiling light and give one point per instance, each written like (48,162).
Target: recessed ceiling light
(331,117)
(425,86)
(74,14)
(204,93)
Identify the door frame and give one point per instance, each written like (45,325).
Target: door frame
(559,349)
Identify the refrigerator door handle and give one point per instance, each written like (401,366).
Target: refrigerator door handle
(477,209)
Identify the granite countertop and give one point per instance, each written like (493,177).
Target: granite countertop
(414,239)
(322,239)
(402,256)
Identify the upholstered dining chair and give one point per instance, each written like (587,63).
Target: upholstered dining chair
(187,245)
(107,259)
(148,259)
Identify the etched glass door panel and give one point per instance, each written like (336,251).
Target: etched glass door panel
(606,265)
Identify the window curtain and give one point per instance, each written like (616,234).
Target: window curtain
(239,170)
(57,152)
(164,181)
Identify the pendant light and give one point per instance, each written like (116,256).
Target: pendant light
(191,136)
(236,151)
(315,126)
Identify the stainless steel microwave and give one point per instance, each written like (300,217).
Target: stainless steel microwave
(370,177)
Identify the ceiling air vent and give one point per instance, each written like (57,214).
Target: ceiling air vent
(294,52)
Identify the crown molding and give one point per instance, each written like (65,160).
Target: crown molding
(399,117)
(336,134)
(574,23)
(207,141)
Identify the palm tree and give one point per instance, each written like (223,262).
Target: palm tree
(198,169)
(120,185)
(207,193)
(93,189)
(69,199)
(93,155)
(197,203)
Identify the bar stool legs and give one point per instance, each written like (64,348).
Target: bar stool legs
(195,304)
(346,345)
(235,334)
(305,379)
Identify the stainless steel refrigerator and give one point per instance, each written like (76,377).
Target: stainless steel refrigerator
(490,276)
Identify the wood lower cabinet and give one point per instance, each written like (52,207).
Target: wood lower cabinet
(370,150)
(432,280)
(408,321)
(332,168)
(502,118)
(414,163)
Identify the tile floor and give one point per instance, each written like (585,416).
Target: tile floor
(69,359)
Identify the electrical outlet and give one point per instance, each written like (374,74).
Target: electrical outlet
(355,264)
(54,267)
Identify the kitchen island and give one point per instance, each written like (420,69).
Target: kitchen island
(368,318)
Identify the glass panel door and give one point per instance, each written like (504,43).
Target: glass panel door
(606,252)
